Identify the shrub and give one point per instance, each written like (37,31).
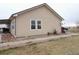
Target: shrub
(55,32)
(48,33)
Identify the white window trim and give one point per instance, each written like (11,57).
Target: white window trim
(39,24)
(31,24)
(36,27)
(36,24)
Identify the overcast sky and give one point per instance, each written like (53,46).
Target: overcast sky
(68,9)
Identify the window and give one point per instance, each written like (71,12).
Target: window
(13,25)
(38,24)
(33,25)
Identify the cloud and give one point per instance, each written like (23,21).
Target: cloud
(68,9)
(24,1)
(39,1)
(66,1)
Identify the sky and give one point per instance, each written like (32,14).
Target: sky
(68,9)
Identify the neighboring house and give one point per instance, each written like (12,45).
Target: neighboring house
(4,25)
(37,20)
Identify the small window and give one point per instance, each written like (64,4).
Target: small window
(39,24)
(33,24)
(13,25)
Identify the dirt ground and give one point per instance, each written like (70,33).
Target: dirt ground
(62,46)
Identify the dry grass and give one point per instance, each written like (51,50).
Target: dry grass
(61,46)
(74,30)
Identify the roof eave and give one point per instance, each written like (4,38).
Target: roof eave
(30,9)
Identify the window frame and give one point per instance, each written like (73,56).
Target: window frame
(33,24)
(36,24)
(13,26)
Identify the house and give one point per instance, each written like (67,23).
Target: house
(38,20)
(4,25)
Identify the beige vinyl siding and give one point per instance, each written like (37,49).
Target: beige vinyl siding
(13,30)
(49,22)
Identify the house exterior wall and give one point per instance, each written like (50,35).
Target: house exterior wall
(13,27)
(49,23)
